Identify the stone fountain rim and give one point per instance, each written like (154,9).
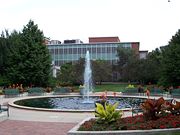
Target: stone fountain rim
(12,104)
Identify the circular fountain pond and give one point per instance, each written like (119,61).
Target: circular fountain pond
(73,103)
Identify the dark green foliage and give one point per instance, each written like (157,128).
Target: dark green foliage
(170,72)
(153,66)
(102,71)
(52,82)
(127,64)
(4,51)
(66,74)
(79,68)
(148,70)
(29,60)
(8,43)
(74,73)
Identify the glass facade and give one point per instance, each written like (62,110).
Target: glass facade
(63,53)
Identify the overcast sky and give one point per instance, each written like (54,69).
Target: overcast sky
(150,22)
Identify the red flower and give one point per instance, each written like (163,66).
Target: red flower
(162,126)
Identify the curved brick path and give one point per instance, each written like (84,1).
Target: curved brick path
(13,127)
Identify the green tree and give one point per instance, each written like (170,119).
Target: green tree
(6,47)
(66,74)
(29,63)
(148,70)
(127,63)
(4,50)
(79,68)
(153,65)
(170,72)
(102,71)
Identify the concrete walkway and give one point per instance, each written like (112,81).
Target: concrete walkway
(14,127)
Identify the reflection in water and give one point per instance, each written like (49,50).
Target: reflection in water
(76,103)
(36,102)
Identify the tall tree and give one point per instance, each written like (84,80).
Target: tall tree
(171,62)
(79,68)
(4,51)
(30,62)
(127,63)
(102,71)
(66,74)
(153,65)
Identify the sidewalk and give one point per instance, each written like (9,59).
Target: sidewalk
(13,127)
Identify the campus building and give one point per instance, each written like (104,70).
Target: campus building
(104,48)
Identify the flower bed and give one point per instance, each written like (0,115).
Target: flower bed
(159,117)
(166,125)
(133,123)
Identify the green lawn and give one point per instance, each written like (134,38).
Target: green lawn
(110,87)
(107,87)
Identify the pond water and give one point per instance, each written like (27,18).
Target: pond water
(76,103)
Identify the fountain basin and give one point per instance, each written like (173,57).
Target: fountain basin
(70,103)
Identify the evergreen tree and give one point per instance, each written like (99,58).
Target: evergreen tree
(4,51)
(29,63)
(148,70)
(171,62)
(67,75)
(127,63)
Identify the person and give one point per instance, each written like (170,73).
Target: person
(148,92)
(140,89)
(170,89)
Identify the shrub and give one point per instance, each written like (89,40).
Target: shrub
(130,86)
(152,108)
(107,113)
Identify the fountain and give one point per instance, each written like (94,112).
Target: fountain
(74,103)
(88,87)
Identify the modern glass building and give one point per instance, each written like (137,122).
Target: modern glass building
(71,52)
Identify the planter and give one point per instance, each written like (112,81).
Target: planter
(74,131)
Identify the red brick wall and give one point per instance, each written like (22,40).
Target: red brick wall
(103,39)
(135,46)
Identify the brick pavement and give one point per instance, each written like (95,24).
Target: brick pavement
(14,127)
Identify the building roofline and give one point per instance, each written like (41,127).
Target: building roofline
(95,43)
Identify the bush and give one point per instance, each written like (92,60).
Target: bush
(107,113)
(154,109)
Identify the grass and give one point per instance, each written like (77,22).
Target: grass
(107,87)
(110,87)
